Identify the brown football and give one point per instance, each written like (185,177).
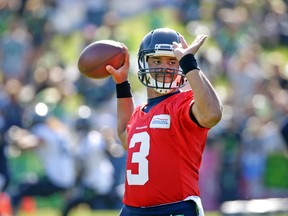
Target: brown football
(96,56)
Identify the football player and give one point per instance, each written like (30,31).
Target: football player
(166,136)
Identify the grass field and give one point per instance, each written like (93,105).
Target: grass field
(86,212)
(83,212)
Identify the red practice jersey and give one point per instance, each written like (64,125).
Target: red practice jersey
(164,153)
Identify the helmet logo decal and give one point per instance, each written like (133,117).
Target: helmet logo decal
(148,80)
(163,47)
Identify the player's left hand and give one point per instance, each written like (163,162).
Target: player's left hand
(182,48)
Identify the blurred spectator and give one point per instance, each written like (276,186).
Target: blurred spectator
(4,171)
(275,24)
(208,179)
(229,139)
(252,160)
(189,10)
(229,29)
(96,92)
(95,171)
(117,156)
(67,16)
(35,15)
(284,131)
(260,139)
(49,137)
(245,75)
(11,112)
(95,11)
(15,51)
(11,106)
(275,87)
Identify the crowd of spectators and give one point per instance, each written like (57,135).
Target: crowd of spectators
(38,64)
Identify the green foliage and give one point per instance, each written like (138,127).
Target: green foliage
(141,24)
(276,174)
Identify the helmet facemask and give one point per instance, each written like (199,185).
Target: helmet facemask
(155,77)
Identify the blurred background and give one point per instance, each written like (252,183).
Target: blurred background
(44,100)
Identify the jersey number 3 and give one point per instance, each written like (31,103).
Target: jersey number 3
(140,158)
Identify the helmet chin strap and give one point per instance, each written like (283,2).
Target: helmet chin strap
(163,91)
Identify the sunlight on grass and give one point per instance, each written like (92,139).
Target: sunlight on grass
(83,211)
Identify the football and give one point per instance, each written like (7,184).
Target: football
(96,56)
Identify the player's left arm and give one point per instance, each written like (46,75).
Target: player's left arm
(207,108)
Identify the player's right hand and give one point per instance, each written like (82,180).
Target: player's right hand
(120,75)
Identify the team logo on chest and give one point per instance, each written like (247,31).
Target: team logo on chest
(160,121)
